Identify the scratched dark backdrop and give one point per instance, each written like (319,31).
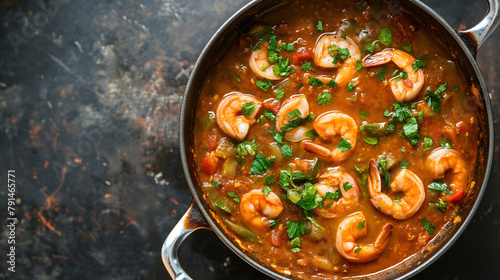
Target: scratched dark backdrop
(90,95)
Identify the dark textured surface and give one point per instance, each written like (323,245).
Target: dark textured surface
(89,105)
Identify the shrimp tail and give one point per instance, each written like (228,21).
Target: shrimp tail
(383,237)
(380,58)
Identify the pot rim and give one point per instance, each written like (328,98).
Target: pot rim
(214,226)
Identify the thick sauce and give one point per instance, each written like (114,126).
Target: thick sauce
(436,119)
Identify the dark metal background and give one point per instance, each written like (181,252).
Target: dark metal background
(90,93)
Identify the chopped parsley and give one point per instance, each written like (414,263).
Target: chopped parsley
(343,36)
(260,165)
(342,53)
(434,98)
(295,230)
(263,66)
(439,186)
(291,124)
(344,145)
(294,113)
(410,129)
(370,140)
(270,180)
(264,84)
(383,167)
(266,190)
(357,249)
(273,223)
(310,118)
(370,47)
(216,184)
(248,108)
(358,169)
(361,225)
(385,36)
(380,74)
(445,143)
(408,48)
(280,94)
(270,115)
(315,82)
(287,47)
(260,119)
(234,197)
(324,98)
(285,149)
(331,195)
(346,186)
(350,87)
(404,164)
(441,206)
(402,76)
(306,66)
(363,115)
(418,64)
(331,83)
(320,26)
(359,65)
(428,226)
(311,133)
(428,143)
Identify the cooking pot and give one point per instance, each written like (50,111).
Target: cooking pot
(463,45)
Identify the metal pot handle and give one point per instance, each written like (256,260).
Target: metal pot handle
(476,36)
(191,221)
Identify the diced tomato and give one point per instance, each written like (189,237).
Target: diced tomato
(302,56)
(210,140)
(423,238)
(272,105)
(276,238)
(208,165)
(456,196)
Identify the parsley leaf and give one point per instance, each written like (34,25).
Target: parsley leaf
(408,48)
(439,186)
(260,165)
(385,36)
(216,184)
(291,124)
(280,94)
(402,76)
(418,64)
(331,195)
(363,115)
(342,53)
(248,108)
(357,249)
(379,74)
(287,47)
(295,230)
(370,47)
(311,133)
(361,225)
(320,26)
(270,180)
(270,115)
(344,145)
(445,143)
(346,186)
(324,98)
(310,118)
(294,113)
(404,164)
(383,166)
(441,206)
(350,87)
(287,151)
(434,98)
(359,65)
(266,190)
(331,83)
(306,66)
(428,143)
(264,84)
(410,129)
(428,226)
(315,82)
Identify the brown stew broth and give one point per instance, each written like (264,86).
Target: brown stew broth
(297,24)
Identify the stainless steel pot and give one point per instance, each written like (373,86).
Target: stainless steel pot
(462,44)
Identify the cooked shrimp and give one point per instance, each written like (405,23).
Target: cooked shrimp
(403,89)
(442,160)
(295,102)
(324,57)
(327,126)
(406,182)
(257,208)
(331,182)
(260,65)
(230,118)
(350,230)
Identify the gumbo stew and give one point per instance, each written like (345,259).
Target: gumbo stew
(335,138)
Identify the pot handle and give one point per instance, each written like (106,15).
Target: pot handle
(191,221)
(476,36)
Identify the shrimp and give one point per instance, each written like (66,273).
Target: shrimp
(442,160)
(405,182)
(324,56)
(257,208)
(327,126)
(403,89)
(354,227)
(229,114)
(260,65)
(331,182)
(295,102)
